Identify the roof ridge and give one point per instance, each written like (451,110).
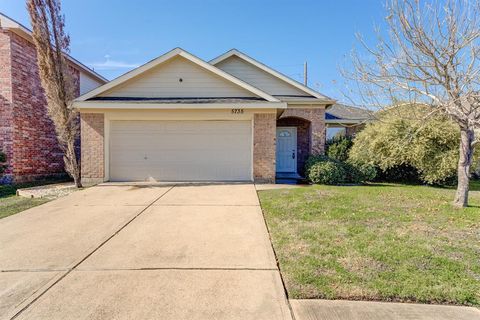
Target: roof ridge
(167,56)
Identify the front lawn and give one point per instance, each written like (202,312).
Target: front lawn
(10,203)
(378,242)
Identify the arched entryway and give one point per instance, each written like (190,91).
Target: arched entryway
(293,144)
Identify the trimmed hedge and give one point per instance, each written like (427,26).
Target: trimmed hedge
(324,170)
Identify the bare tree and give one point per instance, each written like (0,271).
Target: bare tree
(52,44)
(428,54)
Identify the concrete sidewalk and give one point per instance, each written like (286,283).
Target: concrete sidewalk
(366,310)
(141,252)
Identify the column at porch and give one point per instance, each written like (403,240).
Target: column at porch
(264,136)
(92,141)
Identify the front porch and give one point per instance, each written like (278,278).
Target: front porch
(299,134)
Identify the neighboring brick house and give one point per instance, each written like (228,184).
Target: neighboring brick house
(27,135)
(180,118)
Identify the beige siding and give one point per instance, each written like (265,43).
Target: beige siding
(257,77)
(164,81)
(87,83)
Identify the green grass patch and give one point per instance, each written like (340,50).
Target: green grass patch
(384,242)
(10,203)
(14,204)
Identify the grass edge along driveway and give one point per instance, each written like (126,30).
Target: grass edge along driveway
(386,242)
(11,204)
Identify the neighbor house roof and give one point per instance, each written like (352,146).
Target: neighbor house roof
(341,113)
(310,94)
(10,24)
(177,52)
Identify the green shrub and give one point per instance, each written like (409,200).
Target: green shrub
(327,172)
(408,144)
(324,170)
(3,159)
(402,173)
(313,159)
(359,173)
(338,147)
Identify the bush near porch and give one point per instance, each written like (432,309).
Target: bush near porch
(387,242)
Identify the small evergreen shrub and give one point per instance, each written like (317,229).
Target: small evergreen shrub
(327,172)
(338,147)
(359,173)
(324,170)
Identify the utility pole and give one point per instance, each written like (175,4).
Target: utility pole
(305,74)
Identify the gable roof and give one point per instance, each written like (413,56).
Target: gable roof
(177,52)
(10,24)
(284,78)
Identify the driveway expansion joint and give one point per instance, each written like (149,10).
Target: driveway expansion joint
(34,270)
(89,255)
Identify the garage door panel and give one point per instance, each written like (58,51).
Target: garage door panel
(180,150)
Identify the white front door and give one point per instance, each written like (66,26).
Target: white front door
(286,149)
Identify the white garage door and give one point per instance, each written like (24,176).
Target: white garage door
(180,150)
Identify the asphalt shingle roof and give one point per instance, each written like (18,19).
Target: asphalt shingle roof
(341,111)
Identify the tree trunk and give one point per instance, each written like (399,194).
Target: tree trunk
(71,163)
(466,155)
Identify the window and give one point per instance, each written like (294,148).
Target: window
(284,133)
(335,132)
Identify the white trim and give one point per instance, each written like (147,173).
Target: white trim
(309,103)
(296,149)
(252,147)
(269,70)
(106,148)
(107,141)
(167,56)
(169,106)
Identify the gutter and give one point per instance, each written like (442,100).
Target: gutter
(117,105)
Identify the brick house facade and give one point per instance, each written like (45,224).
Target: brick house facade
(310,124)
(27,135)
(117,146)
(264,128)
(93,135)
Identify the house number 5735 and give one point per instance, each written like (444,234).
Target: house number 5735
(237,111)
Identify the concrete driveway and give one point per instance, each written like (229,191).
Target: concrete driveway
(141,252)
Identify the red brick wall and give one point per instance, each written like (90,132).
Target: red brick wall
(6,107)
(316,116)
(264,143)
(35,153)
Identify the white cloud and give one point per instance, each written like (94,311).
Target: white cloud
(110,64)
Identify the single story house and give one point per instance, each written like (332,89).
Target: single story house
(180,118)
(27,135)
